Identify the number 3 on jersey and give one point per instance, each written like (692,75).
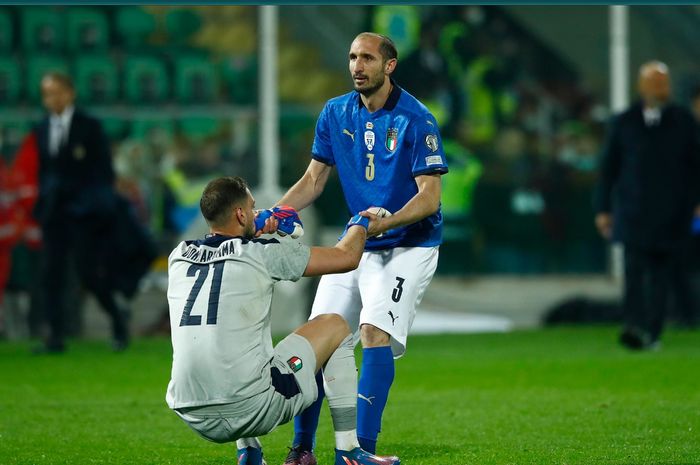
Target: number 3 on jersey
(369,169)
(202,271)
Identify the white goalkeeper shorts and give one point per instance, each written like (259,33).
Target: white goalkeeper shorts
(383,291)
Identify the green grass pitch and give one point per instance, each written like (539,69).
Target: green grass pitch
(562,396)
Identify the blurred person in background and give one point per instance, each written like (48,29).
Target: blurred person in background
(20,239)
(695,103)
(7,234)
(387,148)
(684,309)
(646,198)
(75,209)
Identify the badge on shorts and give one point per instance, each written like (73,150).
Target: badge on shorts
(295,364)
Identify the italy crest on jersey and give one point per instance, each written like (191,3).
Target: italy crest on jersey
(392,139)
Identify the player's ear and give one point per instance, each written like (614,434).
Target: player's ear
(240,215)
(390,66)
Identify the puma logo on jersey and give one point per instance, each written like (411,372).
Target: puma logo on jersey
(393,318)
(368,399)
(348,133)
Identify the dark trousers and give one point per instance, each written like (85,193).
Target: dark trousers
(84,242)
(651,275)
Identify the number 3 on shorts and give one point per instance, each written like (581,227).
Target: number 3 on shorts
(398,290)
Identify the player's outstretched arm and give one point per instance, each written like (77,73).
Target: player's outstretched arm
(345,255)
(308,187)
(423,204)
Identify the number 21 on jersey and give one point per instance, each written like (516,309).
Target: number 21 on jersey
(202,271)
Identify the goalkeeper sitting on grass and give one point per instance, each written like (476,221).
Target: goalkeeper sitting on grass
(228,383)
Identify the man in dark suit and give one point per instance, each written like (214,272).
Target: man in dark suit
(646,198)
(75,208)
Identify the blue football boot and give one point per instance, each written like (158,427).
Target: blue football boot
(250,456)
(358,456)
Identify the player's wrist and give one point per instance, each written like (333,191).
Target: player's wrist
(358,220)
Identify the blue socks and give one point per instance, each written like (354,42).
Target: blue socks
(306,423)
(376,376)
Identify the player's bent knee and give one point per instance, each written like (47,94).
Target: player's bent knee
(334,322)
(371,336)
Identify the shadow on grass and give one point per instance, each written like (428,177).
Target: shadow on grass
(414,452)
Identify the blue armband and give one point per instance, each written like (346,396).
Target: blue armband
(357,220)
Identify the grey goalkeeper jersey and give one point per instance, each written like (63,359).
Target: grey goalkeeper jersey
(219,294)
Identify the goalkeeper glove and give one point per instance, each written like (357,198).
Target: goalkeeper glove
(287,219)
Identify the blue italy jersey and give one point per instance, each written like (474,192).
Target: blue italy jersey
(378,155)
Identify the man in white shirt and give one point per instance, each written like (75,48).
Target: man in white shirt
(228,383)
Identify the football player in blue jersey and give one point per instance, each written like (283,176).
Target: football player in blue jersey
(387,149)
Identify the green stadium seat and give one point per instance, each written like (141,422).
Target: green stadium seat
(181,24)
(10,82)
(143,126)
(145,79)
(42,29)
(87,29)
(96,78)
(115,128)
(197,129)
(37,66)
(6,29)
(195,79)
(240,75)
(133,24)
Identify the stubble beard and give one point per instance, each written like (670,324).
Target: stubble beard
(249,232)
(372,89)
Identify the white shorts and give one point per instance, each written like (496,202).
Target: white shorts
(383,291)
(291,381)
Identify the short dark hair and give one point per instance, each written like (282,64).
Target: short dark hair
(220,196)
(62,78)
(387,48)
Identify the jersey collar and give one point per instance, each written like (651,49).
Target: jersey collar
(211,240)
(215,240)
(391,101)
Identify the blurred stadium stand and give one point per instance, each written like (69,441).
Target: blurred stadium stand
(88,30)
(520,93)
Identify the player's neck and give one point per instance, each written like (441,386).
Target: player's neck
(230,231)
(377,100)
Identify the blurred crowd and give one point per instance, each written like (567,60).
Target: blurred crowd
(521,133)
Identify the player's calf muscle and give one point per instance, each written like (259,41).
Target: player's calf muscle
(371,336)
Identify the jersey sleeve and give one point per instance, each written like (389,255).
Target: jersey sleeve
(322,148)
(286,259)
(428,156)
